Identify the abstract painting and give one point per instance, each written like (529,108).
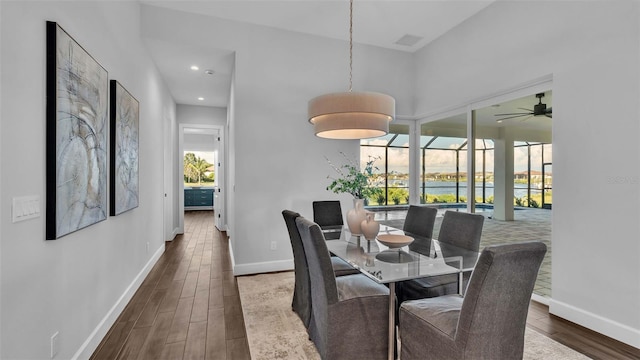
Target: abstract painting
(77,91)
(124,150)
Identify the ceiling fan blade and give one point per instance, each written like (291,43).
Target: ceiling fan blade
(548,115)
(527,118)
(529,110)
(510,114)
(512,117)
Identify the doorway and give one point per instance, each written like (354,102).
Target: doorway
(506,174)
(520,128)
(206,144)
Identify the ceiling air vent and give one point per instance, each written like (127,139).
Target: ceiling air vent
(409,40)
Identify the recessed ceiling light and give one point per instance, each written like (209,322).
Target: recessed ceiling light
(195,67)
(201,98)
(209,72)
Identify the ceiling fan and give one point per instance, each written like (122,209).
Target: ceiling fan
(539,109)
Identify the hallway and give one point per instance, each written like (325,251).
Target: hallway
(188,307)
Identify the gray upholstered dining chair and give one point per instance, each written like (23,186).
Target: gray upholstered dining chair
(488,322)
(420,220)
(460,229)
(301,302)
(327,214)
(350,313)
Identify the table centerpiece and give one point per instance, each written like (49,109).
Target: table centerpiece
(357,183)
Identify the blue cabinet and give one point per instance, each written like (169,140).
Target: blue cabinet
(198,198)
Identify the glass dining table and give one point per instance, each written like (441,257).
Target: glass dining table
(423,257)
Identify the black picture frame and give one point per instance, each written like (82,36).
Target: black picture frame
(77,91)
(124,112)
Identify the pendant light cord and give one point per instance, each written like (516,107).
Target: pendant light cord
(350,45)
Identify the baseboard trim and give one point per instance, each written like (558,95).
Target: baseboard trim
(233,260)
(540,299)
(602,325)
(173,234)
(262,267)
(91,344)
(258,268)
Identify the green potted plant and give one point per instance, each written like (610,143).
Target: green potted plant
(357,183)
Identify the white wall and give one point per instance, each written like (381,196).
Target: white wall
(200,142)
(278,163)
(171,178)
(592,51)
(72,285)
(2,213)
(201,115)
(230,158)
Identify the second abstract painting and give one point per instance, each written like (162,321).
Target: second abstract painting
(124,150)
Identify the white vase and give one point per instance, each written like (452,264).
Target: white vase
(355,216)
(369,226)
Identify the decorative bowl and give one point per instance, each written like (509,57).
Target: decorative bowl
(394,241)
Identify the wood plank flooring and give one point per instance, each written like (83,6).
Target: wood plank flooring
(583,340)
(188,307)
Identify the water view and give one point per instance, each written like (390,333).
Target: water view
(448,187)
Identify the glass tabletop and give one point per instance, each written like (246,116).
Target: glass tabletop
(422,258)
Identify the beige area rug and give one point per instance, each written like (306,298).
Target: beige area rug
(274,331)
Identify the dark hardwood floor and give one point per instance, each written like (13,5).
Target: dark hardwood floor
(581,339)
(188,307)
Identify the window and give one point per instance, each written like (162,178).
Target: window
(532,178)
(391,155)
(443,166)
(484,171)
(442,158)
(198,168)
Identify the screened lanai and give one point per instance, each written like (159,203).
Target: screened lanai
(443,175)
(512,173)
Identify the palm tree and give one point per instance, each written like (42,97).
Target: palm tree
(195,167)
(191,172)
(201,166)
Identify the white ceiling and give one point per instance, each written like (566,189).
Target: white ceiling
(488,117)
(174,60)
(376,22)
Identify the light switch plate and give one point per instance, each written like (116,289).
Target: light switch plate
(25,208)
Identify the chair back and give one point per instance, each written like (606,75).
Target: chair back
(301,302)
(493,316)
(323,281)
(461,229)
(327,213)
(420,220)
(324,291)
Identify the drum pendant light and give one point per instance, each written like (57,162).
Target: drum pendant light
(351,115)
